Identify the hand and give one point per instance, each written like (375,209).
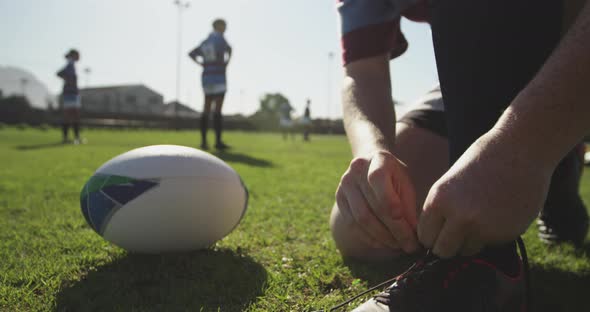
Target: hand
(489,196)
(376,193)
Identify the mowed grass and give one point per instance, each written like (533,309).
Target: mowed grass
(280,258)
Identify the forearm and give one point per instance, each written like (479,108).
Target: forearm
(552,113)
(369,116)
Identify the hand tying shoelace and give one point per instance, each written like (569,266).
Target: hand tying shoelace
(456,284)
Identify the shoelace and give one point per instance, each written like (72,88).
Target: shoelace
(427,258)
(527,275)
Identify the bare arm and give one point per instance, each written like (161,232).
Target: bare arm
(552,113)
(375,193)
(195,55)
(516,158)
(369,116)
(229,53)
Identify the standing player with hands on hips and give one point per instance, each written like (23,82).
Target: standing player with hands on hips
(512,76)
(70,97)
(214,54)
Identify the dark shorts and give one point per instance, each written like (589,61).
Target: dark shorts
(427,112)
(432,120)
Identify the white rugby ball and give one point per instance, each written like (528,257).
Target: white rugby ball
(164,198)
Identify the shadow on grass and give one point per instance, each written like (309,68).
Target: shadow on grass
(243,158)
(556,290)
(377,272)
(39,146)
(211,280)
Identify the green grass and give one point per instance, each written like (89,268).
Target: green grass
(280,258)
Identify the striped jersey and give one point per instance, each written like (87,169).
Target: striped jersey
(68,74)
(214,52)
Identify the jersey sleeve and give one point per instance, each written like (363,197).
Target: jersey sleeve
(196,52)
(67,73)
(370,28)
(227,47)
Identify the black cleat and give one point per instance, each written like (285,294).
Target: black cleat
(564,224)
(564,217)
(222,146)
(460,284)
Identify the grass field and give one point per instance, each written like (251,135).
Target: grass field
(280,258)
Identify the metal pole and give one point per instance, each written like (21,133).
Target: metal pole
(330,58)
(181,6)
(87,71)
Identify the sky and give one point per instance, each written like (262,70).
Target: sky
(278,46)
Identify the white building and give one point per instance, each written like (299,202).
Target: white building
(126,99)
(17,81)
(177,109)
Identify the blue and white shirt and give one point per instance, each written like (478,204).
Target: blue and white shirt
(68,74)
(215,53)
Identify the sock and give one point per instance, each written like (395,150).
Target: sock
(504,257)
(218,125)
(64,129)
(204,126)
(76,127)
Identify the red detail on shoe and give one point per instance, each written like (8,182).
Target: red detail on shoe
(451,275)
(512,278)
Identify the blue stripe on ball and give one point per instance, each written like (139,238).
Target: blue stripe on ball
(124,193)
(99,207)
(104,194)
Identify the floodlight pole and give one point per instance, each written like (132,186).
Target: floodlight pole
(181,5)
(87,71)
(330,67)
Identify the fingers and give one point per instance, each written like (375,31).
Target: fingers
(350,198)
(395,202)
(354,243)
(431,222)
(449,240)
(398,181)
(443,230)
(345,224)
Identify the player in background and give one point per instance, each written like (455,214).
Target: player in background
(285,120)
(306,121)
(70,97)
(213,54)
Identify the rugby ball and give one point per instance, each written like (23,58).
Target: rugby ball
(164,198)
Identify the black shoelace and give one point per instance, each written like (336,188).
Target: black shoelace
(423,267)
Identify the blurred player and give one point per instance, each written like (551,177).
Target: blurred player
(285,120)
(306,121)
(214,54)
(70,97)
